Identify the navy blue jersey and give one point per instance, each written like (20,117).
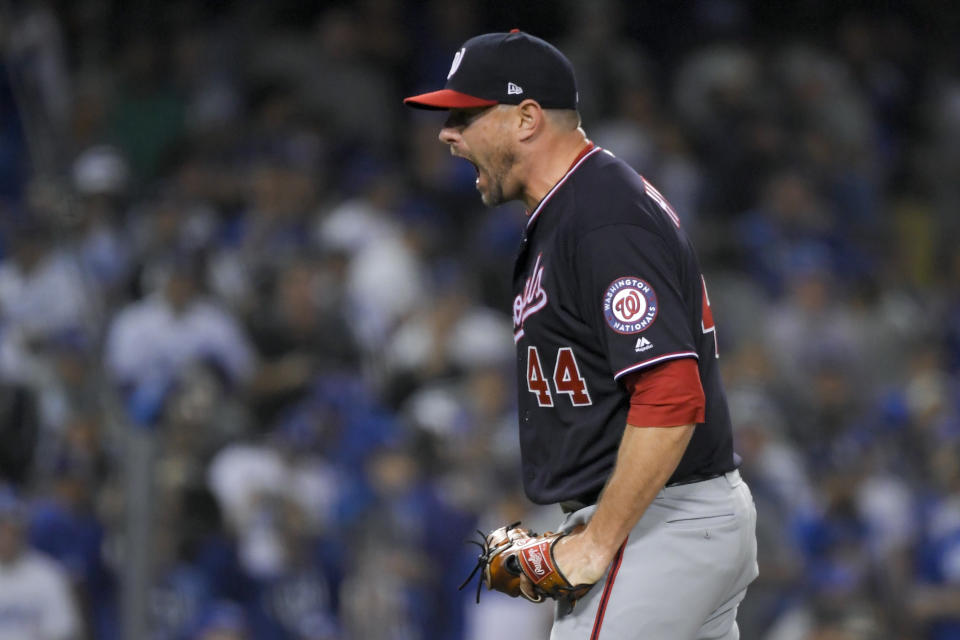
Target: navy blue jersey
(606,284)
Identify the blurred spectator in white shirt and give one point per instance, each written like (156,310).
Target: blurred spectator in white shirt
(42,297)
(385,278)
(168,330)
(35,598)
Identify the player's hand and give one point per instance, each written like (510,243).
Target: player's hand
(529,592)
(517,562)
(579,559)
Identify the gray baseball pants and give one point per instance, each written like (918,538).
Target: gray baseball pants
(680,575)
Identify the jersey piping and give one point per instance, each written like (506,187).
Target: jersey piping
(663,358)
(546,198)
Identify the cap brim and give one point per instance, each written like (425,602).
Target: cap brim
(447,99)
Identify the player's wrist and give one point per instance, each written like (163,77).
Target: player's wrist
(598,549)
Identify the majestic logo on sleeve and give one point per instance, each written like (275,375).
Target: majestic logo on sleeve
(530,300)
(629,305)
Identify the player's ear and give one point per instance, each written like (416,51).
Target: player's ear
(530,120)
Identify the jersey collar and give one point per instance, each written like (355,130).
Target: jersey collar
(585,153)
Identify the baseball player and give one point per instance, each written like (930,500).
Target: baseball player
(623,418)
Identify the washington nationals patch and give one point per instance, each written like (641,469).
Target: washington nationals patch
(629,305)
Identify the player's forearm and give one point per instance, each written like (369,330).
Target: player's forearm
(645,461)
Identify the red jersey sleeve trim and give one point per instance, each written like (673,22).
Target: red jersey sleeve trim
(667,395)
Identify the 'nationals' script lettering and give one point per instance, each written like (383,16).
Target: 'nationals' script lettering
(530,300)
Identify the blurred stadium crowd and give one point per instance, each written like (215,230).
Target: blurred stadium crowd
(219,227)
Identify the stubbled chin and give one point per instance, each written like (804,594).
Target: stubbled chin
(481,188)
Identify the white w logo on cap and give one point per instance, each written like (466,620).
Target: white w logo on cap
(457,59)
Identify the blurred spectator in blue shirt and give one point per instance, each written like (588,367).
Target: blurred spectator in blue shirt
(65,524)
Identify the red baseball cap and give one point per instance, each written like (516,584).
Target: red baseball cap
(504,68)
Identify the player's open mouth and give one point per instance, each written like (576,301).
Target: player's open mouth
(476,167)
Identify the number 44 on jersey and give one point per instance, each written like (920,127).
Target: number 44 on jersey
(566,378)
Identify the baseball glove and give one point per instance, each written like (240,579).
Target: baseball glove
(510,552)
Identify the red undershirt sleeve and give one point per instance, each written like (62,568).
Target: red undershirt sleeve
(666,395)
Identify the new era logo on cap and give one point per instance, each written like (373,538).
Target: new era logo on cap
(504,68)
